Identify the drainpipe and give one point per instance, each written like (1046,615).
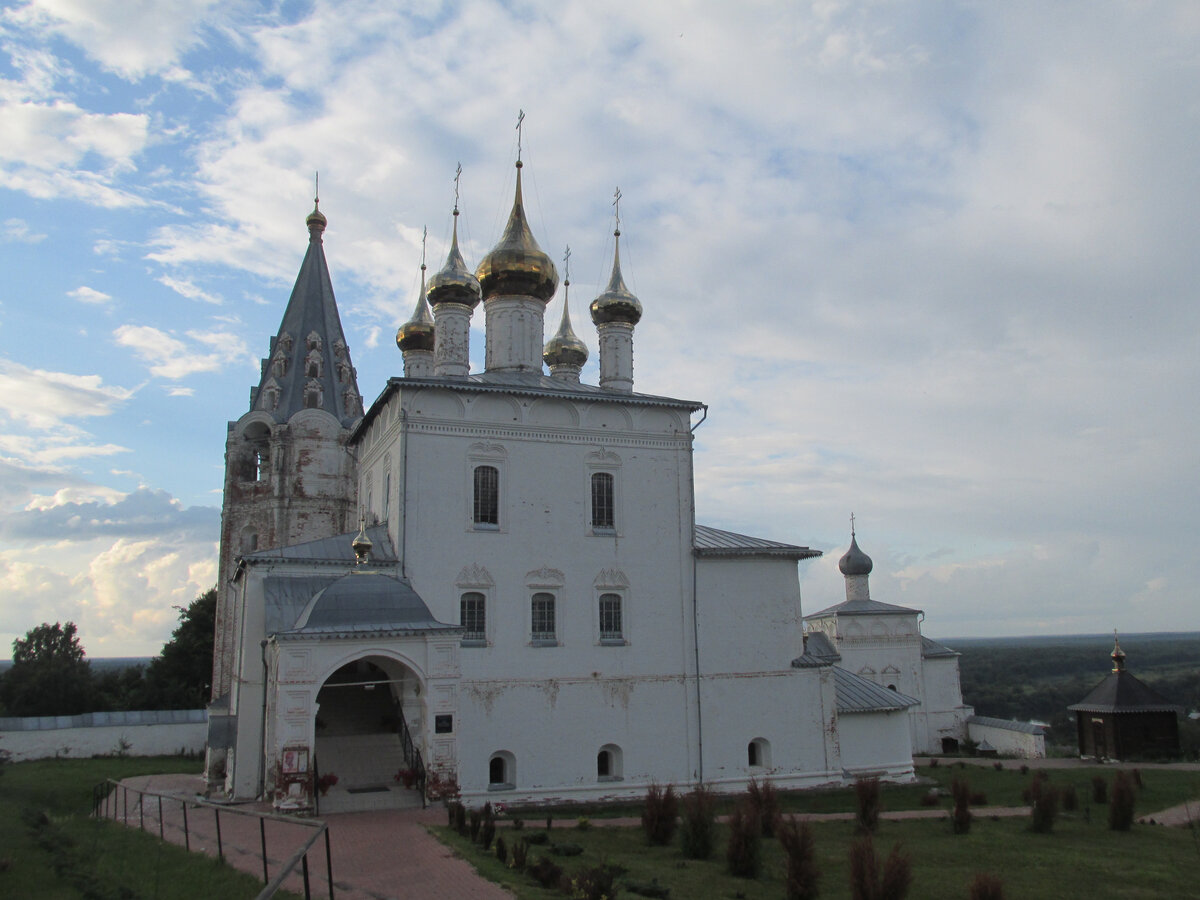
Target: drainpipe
(696,608)
(403,524)
(262,754)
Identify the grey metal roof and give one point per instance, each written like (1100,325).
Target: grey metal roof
(335,549)
(818,646)
(1006,724)
(1121,692)
(529,384)
(286,596)
(311,308)
(715,542)
(367,602)
(857,695)
(931,649)
(864,608)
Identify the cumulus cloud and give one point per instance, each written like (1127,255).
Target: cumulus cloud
(171,358)
(144,513)
(17,231)
(85,294)
(185,288)
(44,399)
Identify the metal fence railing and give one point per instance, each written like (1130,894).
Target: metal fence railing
(112,800)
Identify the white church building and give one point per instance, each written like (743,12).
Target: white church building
(493,582)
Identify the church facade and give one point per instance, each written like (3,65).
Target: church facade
(493,583)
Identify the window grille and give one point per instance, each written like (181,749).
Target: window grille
(473,616)
(543,617)
(487,495)
(602,500)
(610,618)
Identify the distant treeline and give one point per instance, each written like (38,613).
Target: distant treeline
(1037,678)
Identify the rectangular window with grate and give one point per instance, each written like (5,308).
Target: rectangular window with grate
(602,501)
(542,626)
(487,496)
(610,618)
(473,617)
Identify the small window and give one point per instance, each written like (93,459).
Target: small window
(604,763)
(261,464)
(502,771)
(602,501)
(610,618)
(608,763)
(387,494)
(542,625)
(487,496)
(473,617)
(758,753)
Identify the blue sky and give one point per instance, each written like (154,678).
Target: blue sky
(933,263)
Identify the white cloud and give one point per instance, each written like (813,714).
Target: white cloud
(45,399)
(171,358)
(132,38)
(185,288)
(85,294)
(60,134)
(17,231)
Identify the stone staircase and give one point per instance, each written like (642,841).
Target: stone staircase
(358,743)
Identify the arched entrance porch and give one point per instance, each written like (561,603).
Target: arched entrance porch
(370,713)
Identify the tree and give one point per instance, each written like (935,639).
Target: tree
(49,674)
(179,678)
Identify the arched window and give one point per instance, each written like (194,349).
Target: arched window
(603,516)
(487,496)
(608,763)
(502,771)
(758,753)
(473,617)
(611,628)
(542,624)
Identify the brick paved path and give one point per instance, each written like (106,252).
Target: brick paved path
(381,855)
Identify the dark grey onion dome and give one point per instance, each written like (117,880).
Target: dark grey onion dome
(455,283)
(517,265)
(418,332)
(855,562)
(617,303)
(565,348)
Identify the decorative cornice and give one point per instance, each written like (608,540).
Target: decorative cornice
(474,575)
(611,578)
(545,577)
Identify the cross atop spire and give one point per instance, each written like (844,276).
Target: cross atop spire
(316,189)
(567,266)
(852,525)
(617,212)
(457,178)
(424,236)
(520,121)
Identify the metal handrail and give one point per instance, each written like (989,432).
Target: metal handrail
(412,754)
(103,791)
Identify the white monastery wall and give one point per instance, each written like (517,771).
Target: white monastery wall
(159,739)
(749,614)
(1008,742)
(876,744)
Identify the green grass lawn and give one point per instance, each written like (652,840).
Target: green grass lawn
(1080,859)
(50,847)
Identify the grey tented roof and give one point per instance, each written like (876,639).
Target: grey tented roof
(336,549)
(311,309)
(367,602)
(1121,692)
(857,695)
(864,608)
(931,649)
(286,596)
(1006,724)
(715,542)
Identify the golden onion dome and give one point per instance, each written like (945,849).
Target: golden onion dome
(316,220)
(617,303)
(455,283)
(417,333)
(517,264)
(565,348)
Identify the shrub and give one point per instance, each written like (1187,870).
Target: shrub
(1120,806)
(501,851)
(866,805)
(549,822)
(1024,768)
(518,824)
(653,889)
(546,872)
(1043,797)
(1099,790)
(998,766)
(476,821)
(519,855)
(930,797)
(986,887)
(978,798)
(566,849)
(1069,797)
(659,813)
(1136,774)
(593,883)
(764,805)
(583,823)
(934,763)
(487,832)
(867,882)
(698,828)
(744,853)
(538,837)
(801,881)
(460,817)
(960,816)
